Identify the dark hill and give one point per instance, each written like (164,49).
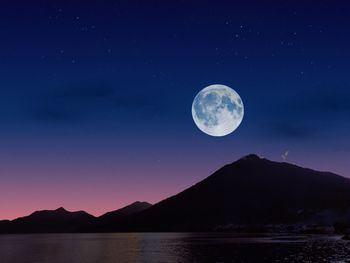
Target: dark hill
(63,221)
(125,211)
(114,219)
(49,221)
(251,192)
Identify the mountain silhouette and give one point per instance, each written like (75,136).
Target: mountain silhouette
(114,219)
(125,211)
(250,194)
(63,221)
(48,221)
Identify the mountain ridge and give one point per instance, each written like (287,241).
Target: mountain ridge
(250,173)
(249,194)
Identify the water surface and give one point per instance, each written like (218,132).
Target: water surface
(171,247)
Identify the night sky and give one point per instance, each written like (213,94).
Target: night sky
(95,103)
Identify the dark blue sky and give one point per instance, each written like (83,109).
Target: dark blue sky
(97,95)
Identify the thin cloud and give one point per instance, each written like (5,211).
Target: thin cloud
(96,101)
(285,155)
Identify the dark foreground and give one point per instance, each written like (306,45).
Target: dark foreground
(171,247)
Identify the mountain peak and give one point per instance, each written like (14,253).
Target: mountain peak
(251,157)
(140,203)
(129,209)
(61,209)
(112,219)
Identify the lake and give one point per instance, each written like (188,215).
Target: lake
(171,247)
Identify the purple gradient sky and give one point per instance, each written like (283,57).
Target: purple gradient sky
(105,176)
(95,97)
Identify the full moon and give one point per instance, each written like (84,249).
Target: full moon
(217,110)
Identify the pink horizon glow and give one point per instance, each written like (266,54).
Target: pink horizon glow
(98,187)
